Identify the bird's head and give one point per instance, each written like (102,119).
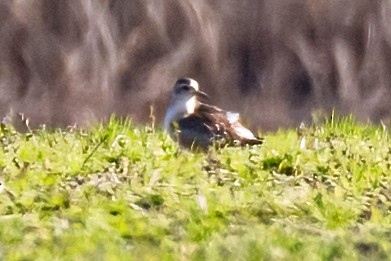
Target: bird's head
(185,89)
(183,100)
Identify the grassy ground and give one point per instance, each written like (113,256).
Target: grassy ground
(119,192)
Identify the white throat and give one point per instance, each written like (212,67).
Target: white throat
(179,108)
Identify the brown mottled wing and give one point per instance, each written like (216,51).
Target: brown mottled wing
(226,132)
(208,125)
(217,121)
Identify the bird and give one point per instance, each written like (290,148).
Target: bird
(198,125)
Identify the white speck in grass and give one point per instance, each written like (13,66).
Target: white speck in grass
(2,186)
(302,143)
(383,125)
(202,203)
(60,225)
(278,253)
(154,178)
(114,178)
(117,140)
(236,183)
(316,144)
(138,208)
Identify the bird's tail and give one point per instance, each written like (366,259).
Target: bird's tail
(246,137)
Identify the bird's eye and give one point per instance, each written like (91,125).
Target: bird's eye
(185,88)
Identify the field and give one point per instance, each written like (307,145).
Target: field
(123,192)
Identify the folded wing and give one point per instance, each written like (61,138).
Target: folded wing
(209,124)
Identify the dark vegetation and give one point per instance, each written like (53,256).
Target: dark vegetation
(67,62)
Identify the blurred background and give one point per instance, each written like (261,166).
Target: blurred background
(274,61)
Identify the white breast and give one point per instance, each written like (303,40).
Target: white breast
(178,109)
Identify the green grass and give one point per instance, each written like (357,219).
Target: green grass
(121,192)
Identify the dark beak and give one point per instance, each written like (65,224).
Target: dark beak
(201,94)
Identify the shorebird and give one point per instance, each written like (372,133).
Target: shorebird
(197,125)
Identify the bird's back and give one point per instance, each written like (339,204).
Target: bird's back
(209,125)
